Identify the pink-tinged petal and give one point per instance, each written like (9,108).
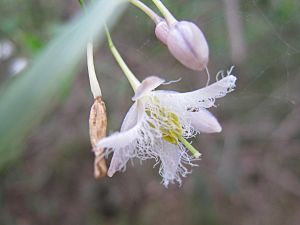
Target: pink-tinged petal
(204,121)
(188,45)
(161,31)
(147,85)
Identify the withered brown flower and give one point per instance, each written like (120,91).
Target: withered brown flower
(98,126)
(98,118)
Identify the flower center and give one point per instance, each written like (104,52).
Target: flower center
(168,124)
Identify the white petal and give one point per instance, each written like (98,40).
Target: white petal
(124,138)
(173,159)
(123,146)
(204,121)
(147,85)
(169,156)
(119,139)
(202,98)
(216,90)
(131,118)
(119,161)
(131,143)
(120,158)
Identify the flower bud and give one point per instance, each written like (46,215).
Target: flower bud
(162,31)
(186,42)
(98,126)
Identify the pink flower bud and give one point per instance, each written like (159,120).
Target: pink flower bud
(186,42)
(162,31)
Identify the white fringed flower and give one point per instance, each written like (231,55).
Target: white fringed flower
(158,124)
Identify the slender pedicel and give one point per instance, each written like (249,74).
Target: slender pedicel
(82,3)
(156,18)
(166,13)
(134,82)
(95,87)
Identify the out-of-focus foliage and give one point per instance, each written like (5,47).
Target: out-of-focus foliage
(27,99)
(249,173)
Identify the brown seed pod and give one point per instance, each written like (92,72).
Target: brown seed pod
(98,126)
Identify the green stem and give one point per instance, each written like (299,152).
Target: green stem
(82,4)
(166,13)
(194,151)
(134,82)
(156,18)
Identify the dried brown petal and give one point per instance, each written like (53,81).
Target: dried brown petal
(98,126)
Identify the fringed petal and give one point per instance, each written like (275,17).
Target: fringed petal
(173,159)
(137,141)
(202,98)
(123,145)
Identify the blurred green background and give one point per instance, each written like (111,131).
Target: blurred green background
(249,174)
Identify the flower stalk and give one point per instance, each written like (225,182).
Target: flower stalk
(95,87)
(166,13)
(82,3)
(149,12)
(134,82)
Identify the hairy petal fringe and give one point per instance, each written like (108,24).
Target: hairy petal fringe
(202,98)
(173,160)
